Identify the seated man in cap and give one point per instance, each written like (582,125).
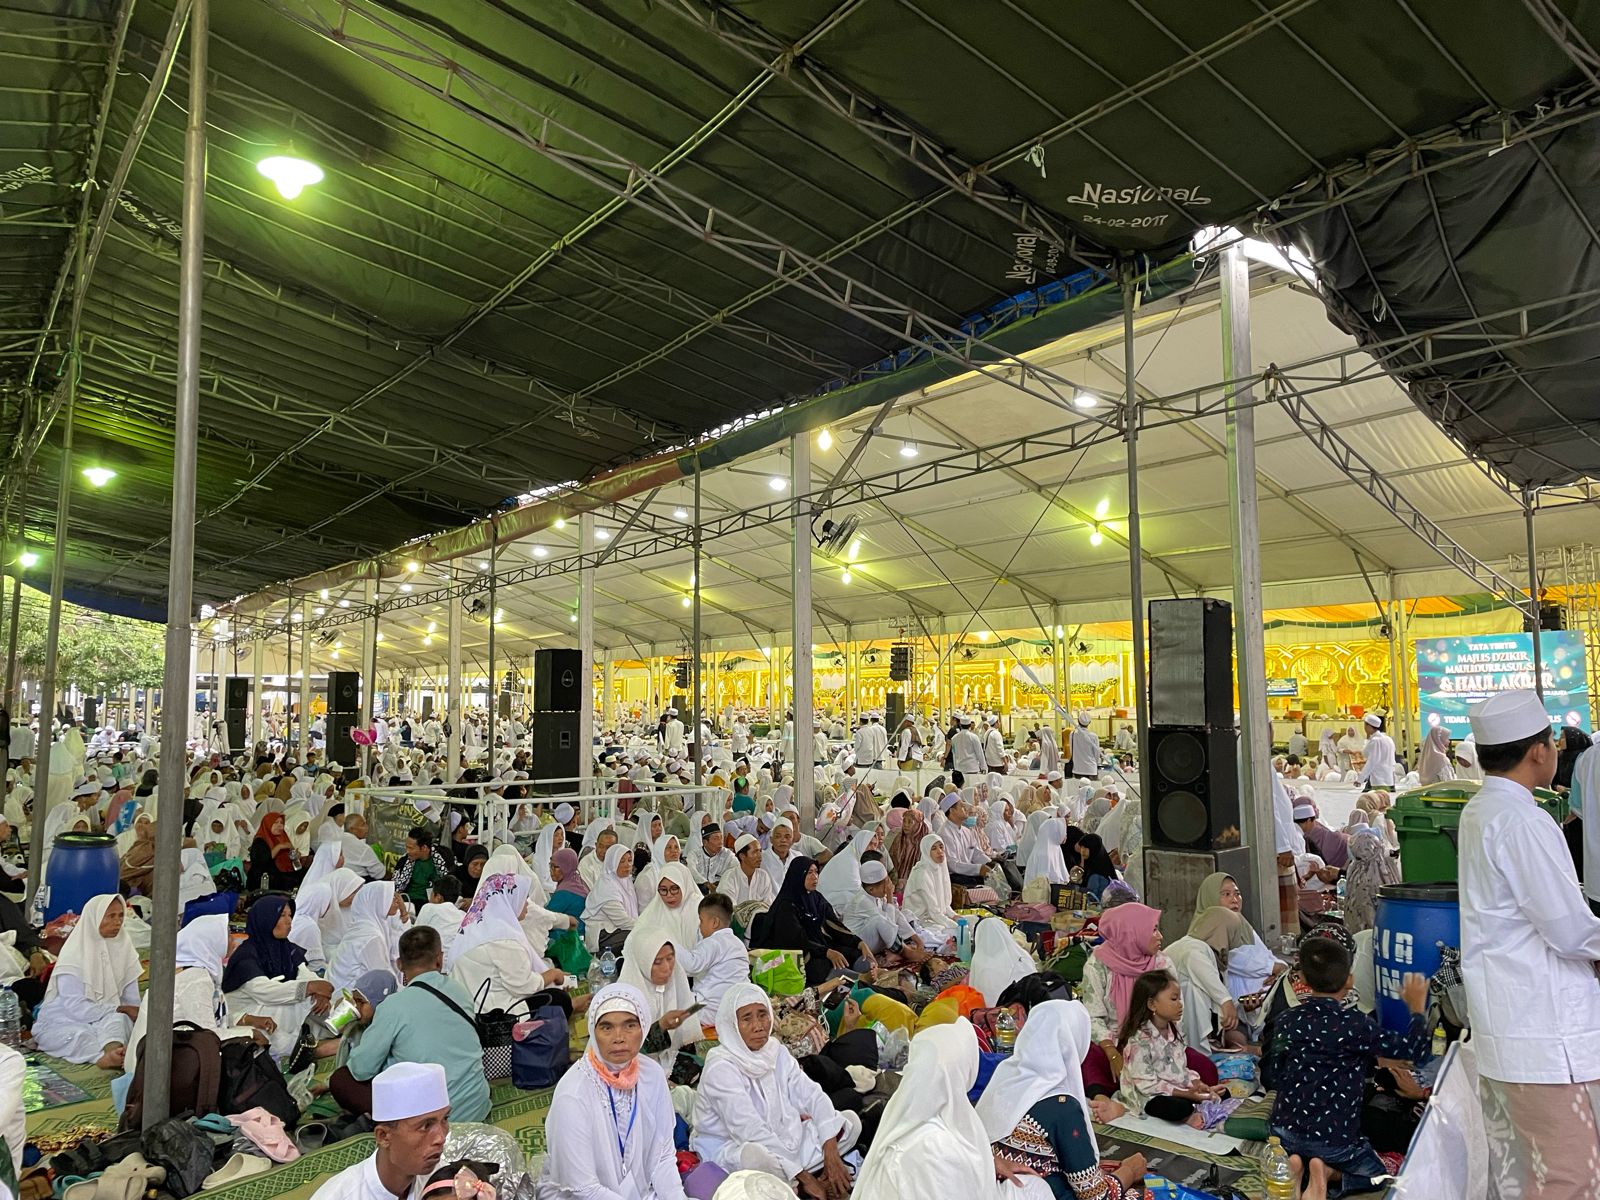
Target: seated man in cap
(964,854)
(411,1109)
(747,880)
(873,916)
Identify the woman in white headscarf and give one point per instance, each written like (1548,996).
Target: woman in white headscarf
(1002,836)
(652,965)
(840,879)
(1049,752)
(926,902)
(328,859)
(551,838)
(320,927)
(611,1120)
(756,1110)
(612,906)
(93,996)
(930,1141)
(673,908)
(997,960)
(1030,833)
(1328,750)
(1435,765)
(538,920)
(491,957)
(195,881)
(297,824)
(665,849)
(1036,1114)
(371,937)
(1045,861)
(197,990)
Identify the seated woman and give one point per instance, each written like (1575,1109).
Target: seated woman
(267,975)
(197,989)
(538,920)
(274,863)
(1037,1116)
(997,960)
(92,999)
(371,938)
(1157,1079)
(663,851)
(552,838)
(1200,962)
(652,966)
(930,1141)
(756,1110)
(491,956)
(611,1121)
(673,908)
(1095,861)
(928,894)
(802,919)
(137,850)
(570,896)
(612,907)
(469,867)
(1045,862)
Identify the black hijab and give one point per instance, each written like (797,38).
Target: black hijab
(1099,860)
(262,953)
(809,904)
(1573,744)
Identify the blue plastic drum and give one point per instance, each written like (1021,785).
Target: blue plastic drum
(81,867)
(1413,919)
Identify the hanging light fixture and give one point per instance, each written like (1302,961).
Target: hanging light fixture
(290,175)
(99,476)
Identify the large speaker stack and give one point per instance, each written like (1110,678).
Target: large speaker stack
(894,711)
(236,711)
(902,661)
(1191,778)
(557,689)
(344,714)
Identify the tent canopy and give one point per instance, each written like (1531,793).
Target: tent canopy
(466,310)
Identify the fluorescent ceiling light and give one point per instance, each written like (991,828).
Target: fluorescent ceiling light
(824,439)
(908,449)
(540,552)
(28,559)
(99,476)
(1084,401)
(777,483)
(290,175)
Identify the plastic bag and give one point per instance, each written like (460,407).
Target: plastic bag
(778,972)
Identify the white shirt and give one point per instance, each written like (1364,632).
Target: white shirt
(715,964)
(994,749)
(673,736)
(1297,744)
(966,754)
(1529,943)
(1379,769)
(737,888)
(1085,753)
(962,853)
(361,1182)
(361,858)
(13,1121)
(864,746)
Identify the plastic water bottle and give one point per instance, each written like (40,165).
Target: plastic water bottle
(608,967)
(963,942)
(1279,1178)
(10,1020)
(1005,1032)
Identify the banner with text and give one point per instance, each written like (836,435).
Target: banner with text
(1454,673)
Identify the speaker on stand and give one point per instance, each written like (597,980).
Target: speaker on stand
(236,711)
(344,714)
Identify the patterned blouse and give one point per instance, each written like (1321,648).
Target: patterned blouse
(1095,992)
(1052,1139)
(1154,1064)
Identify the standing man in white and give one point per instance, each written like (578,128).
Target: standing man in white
(1379,771)
(1085,750)
(1529,948)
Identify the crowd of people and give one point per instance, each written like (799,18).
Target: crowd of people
(800,1001)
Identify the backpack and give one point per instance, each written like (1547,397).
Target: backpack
(195,1079)
(250,1079)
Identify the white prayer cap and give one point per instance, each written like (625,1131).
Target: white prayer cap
(1083,719)
(564,813)
(1054,777)
(752,1185)
(1304,812)
(994,718)
(89,787)
(409,1089)
(1508,717)
(744,840)
(1372,719)
(672,712)
(965,718)
(873,872)
(950,800)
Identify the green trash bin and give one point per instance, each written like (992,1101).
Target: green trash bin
(1427,819)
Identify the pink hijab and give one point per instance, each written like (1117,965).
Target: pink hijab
(1126,949)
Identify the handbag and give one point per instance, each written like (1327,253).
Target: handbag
(494,1035)
(778,972)
(541,1050)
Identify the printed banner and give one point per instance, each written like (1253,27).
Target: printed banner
(1454,673)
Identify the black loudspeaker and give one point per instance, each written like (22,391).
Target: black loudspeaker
(238,729)
(236,693)
(340,748)
(1194,782)
(89,709)
(505,706)
(344,692)
(680,673)
(894,709)
(1191,663)
(900,663)
(555,746)
(427,707)
(1551,617)
(555,681)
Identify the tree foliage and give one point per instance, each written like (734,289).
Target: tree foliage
(93,649)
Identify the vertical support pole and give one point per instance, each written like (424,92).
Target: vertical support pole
(8,698)
(178,678)
(491,690)
(586,709)
(258,695)
(453,681)
(369,668)
(696,698)
(52,642)
(305,679)
(1533,593)
(1058,671)
(1141,707)
(1399,725)
(607,682)
(1255,734)
(805,791)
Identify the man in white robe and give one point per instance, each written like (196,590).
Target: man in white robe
(411,1109)
(994,746)
(966,751)
(672,735)
(747,880)
(1529,946)
(359,856)
(1379,771)
(863,745)
(1085,750)
(873,916)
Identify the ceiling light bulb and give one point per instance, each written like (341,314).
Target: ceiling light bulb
(602,535)
(561,522)
(688,601)
(983,635)
(680,514)
(540,552)
(99,476)
(297,617)
(427,641)
(433,626)
(824,439)
(908,449)
(413,566)
(1096,538)
(777,483)
(335,654)
(1084,401)
(318,610)
(405,587)
(344,604)
(28,559)
(380,637)
(290,175)
(844,575)
(573,617)
(483,566)
(324,593)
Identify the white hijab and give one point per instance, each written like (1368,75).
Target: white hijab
(997,960)
(642,948)
(1001,835)
(1030,832)
(1046,861)
(927,891)
(494,916)
(840,880)
(542,851)
(195,881)
(328,858)
(608,886)
(369,920)
(104,966)
(681,924)
(930,1141)
(203,943)
(1045,1063)
(763,1069)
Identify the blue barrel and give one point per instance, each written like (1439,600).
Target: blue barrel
(81,867)
(1412,920)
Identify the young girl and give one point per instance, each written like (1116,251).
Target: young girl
(1156,1079)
